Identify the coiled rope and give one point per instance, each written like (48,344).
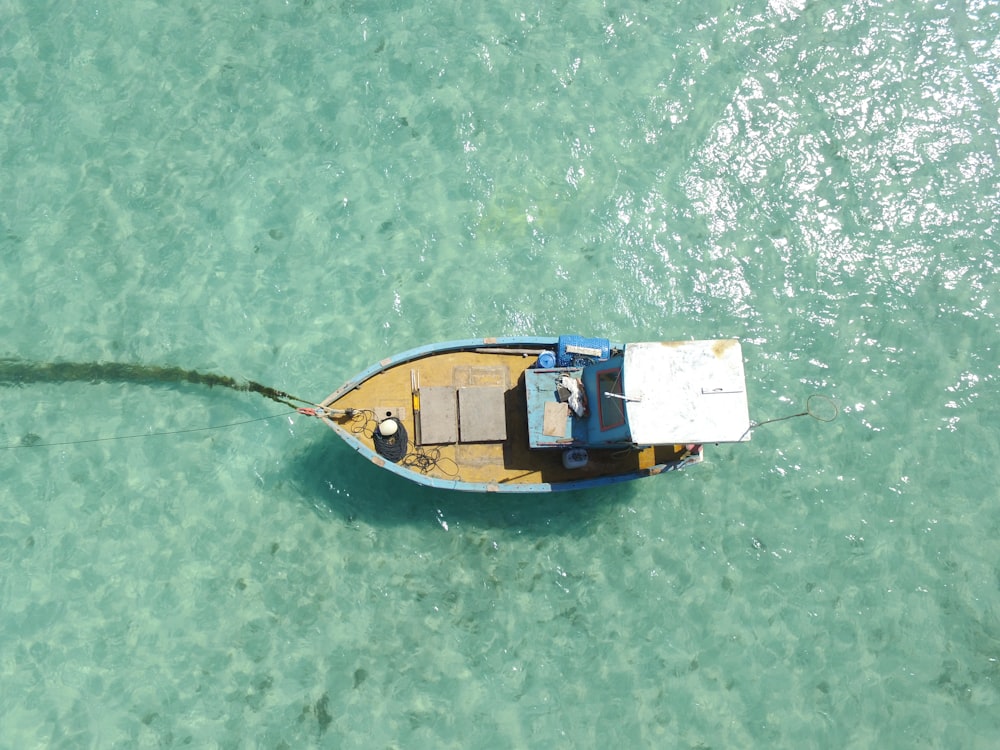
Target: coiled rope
(391,447)
(423,458)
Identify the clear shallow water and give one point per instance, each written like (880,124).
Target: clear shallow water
(288,192)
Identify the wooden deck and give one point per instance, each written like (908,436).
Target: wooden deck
(389,394)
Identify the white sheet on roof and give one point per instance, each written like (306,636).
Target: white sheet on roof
(686,392)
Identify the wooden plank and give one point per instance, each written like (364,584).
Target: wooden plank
(554,419)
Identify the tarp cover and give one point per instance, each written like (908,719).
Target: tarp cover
(686,392)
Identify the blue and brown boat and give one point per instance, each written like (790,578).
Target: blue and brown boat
(540,414)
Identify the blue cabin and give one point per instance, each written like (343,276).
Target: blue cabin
(600,396)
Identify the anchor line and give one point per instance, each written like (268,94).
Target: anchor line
(280,397)
(809,412)
(32,444)
(19,373)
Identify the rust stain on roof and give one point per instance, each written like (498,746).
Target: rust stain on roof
(722,346)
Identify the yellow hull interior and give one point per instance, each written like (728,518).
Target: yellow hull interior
(389,393)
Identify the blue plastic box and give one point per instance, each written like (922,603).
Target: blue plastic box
(579,350)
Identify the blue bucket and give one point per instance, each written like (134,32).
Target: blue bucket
(546,361)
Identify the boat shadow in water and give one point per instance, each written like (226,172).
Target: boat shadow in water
(330,478)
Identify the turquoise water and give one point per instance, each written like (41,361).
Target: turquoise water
(289,191)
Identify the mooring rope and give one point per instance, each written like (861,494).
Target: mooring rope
(32,443)
(809,412)
(19,372)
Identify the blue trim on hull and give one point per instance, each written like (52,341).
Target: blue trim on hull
(447,346)
(511,487)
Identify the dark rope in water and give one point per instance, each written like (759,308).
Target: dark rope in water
(19,372)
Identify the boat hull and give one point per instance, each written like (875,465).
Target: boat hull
(498,457)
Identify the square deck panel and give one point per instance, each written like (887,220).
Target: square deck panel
(438,415)
(482,414)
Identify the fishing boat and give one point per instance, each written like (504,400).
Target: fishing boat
(541,414)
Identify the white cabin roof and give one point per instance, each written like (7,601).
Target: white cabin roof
(686,392)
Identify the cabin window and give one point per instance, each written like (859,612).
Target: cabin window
(612,410)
